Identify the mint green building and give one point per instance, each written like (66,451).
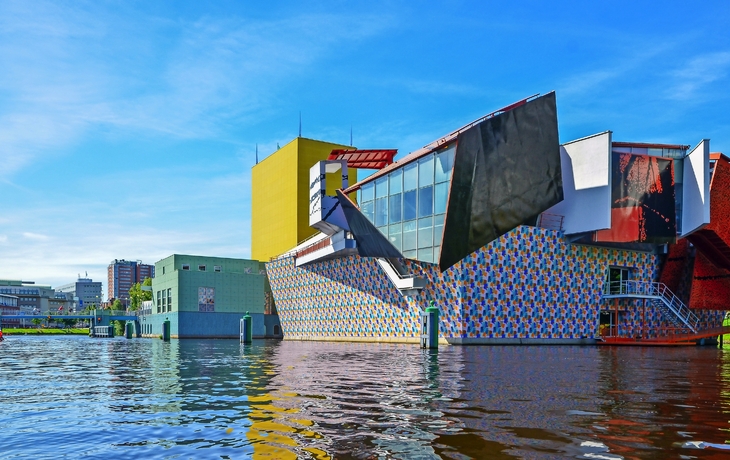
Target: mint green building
(205,297)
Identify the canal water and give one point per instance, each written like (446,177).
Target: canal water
(75,397)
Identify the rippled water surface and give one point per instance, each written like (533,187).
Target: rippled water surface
(69,397)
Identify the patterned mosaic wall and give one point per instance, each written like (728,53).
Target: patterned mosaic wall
(526,284)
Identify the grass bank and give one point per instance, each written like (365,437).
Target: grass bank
(46,331)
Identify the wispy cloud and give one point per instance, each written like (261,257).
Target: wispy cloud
(697,74)
(35,236)
(70,69)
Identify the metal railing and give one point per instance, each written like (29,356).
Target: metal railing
(657,291)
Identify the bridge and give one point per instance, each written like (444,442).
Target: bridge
(99,318)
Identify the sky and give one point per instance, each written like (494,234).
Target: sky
(128,129)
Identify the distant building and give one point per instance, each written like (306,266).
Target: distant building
(84,292)
(33,298)
(9,306)
(123,274)
(206,297)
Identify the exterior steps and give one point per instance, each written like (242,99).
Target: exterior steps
(673,308)
(407,283)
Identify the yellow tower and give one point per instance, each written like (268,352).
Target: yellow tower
(280,196)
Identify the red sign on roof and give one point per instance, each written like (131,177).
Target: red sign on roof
(365,159)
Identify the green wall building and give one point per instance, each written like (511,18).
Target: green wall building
(205,297)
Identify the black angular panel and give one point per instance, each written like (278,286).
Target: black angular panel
(370,242)
(506,172)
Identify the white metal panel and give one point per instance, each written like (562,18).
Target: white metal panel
(696,189)
(586,166)
(325,213)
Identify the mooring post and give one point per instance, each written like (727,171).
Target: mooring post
(166,330)
(246,328)
(432,327)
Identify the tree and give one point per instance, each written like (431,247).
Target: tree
(68,322)
(137,295)
(36,321)
(117,305)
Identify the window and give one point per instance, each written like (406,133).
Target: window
(158,301)
(217,268)
(169,299)
(163,270)
(425,201)
(425,232)
(425,171)
(394,235)
(367,210)
(409,205)
(410,176)
(186,266)
(445,163)
(201,268)
(381,187)
(367,192)
(617,278)
(441,192)
(394,206)
(381,212)
(409,235)
(396,181)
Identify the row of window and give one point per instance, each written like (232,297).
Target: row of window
(408,205)
(201,268)
(164,302)
(19,291)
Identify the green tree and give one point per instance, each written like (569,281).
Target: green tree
(137,295)
(36,321)
(68,322)
(117,305)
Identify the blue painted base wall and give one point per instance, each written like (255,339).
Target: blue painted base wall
(185,325)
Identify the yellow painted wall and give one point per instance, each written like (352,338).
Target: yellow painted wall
(280,196)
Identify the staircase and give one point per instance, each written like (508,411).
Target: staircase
(408,284)
(670,305)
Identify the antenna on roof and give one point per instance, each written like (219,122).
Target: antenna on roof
(257,153)
(300,123)
(350,135)
(277,146)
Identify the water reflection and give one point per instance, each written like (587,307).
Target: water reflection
(79,397)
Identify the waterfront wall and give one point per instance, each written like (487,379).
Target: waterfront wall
(528,284)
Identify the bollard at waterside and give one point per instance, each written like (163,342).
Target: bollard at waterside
(128,329)
(166,330)
(433,326)
(246,328)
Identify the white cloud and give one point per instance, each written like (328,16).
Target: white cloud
(35,236)
(697,74)
(69,69)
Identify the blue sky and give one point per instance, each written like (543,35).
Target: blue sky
(128,129)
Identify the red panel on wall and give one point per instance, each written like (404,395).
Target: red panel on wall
(675,268)
(710,286)
(624,225)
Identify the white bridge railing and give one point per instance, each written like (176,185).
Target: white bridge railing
(655,291)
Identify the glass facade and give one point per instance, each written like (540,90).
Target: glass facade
(408,205)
